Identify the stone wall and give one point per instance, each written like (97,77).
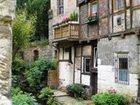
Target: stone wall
(44,51)
(7,12)
(106,63)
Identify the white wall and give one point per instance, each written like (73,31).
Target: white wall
(65,74)
(86,80)
(106,80)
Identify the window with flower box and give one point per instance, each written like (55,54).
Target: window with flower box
(92,13)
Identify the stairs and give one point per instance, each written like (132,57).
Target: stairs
(63,99)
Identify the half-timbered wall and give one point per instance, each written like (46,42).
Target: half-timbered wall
(87,31)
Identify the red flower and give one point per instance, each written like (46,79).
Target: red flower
(66,19)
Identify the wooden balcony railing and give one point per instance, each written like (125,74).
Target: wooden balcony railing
(68,31)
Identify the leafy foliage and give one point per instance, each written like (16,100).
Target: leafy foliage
(109,98)
(18,68)
(74,16)
(21,98)
(37,73)
(76,90)
(46,94)
(22,29)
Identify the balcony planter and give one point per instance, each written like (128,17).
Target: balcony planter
(92,19)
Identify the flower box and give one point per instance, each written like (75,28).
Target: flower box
(92,19)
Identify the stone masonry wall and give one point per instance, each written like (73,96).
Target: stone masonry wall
(7,11)
(106,68)
(44,51)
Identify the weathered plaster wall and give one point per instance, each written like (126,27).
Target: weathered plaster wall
(66,68)
(7,12)
(106,70)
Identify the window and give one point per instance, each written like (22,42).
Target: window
(136,2)
(94,8)
(60,7)
(118,5)
(122,72)
(123,69)
(86,64)
(95,57)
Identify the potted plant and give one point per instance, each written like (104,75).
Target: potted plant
(74,16)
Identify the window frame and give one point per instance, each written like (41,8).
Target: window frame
(60,5)
(120,9)
(84,64)
(117,71)
(90,7)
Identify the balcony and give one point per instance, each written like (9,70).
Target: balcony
(66,31)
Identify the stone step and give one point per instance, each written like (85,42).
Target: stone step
(63,99)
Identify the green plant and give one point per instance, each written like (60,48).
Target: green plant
(18,69)
(74,16)
(22,28)
(46,95)
(21,98)
(37,73)
(76,90)
(109,98)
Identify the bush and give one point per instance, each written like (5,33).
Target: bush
(76,90)
(37,73)
(19,67)
(109,98)
(46,95)
(21,98)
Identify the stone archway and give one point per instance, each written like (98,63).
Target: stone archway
(7,13)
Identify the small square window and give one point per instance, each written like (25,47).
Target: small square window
(119,21)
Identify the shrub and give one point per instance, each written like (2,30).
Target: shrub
(46,95)
(37,73)
(76,90)
(21,98)
(18,70)
(109,98)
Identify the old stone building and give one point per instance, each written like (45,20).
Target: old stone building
(102,48)
(7,13)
